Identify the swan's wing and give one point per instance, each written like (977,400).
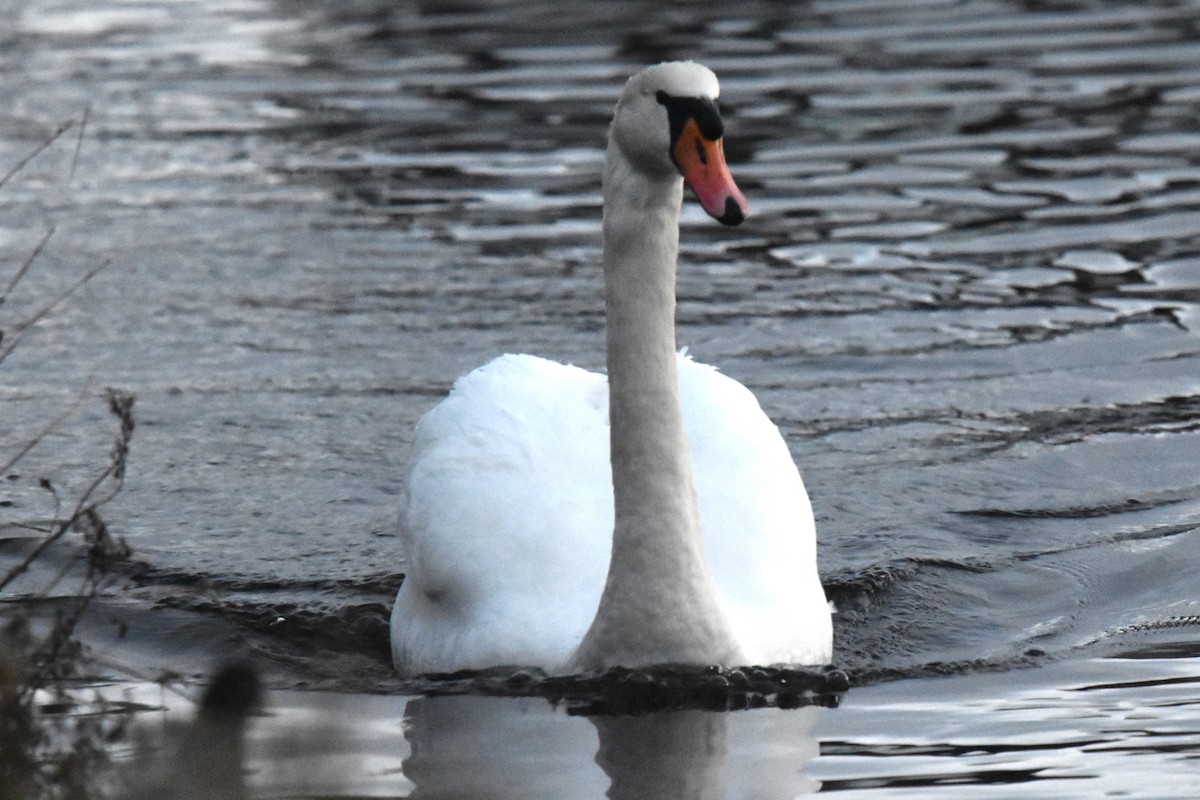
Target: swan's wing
(508,528)
(756,518)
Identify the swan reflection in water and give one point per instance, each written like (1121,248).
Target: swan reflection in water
(310,744)
(493,747)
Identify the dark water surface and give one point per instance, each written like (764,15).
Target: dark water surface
(969,292)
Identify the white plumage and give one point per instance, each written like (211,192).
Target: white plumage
(510,520)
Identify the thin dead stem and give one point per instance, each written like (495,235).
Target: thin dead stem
(37,250)
(78,143)
(15,332)
(41,435)
(31,155)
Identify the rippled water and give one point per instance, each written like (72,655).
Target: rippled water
(968,293)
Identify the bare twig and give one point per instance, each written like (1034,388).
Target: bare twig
(14,333)
(12,284)
(60,528)
(78,144)
(63,128)
(48,485)
(41,435)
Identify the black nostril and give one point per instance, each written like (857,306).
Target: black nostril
(733,214)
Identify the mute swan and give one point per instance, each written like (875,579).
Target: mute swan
(530,543)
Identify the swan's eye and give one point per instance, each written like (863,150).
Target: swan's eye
(701,110)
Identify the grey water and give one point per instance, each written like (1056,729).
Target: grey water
(968,292)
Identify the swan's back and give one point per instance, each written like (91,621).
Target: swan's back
(509,524)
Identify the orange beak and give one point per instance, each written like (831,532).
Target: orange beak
(702,162)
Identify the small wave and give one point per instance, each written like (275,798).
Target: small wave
(360,629)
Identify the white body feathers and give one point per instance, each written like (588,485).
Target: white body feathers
(510,519)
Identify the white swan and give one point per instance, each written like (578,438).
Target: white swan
(515,553)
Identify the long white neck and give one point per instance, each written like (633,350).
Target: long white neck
(659,603)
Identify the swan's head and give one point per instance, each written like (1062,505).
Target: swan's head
(667,122)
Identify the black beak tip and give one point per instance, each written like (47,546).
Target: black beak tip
(733,214)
